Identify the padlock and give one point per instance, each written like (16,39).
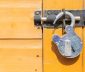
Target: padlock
(69,45)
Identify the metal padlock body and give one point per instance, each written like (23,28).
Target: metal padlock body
(76,43)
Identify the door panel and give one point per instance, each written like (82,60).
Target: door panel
(20,55)
(20,40)
(84,49)
(53,61)
(61,4)
(16,19)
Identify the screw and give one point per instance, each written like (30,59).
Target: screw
(37,13)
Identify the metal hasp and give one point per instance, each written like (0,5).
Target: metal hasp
(69,45)
(50,16)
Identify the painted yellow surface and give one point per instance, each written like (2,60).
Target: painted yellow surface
(20,56)
(53,61)
(63,4)
(20,40)
(17,19)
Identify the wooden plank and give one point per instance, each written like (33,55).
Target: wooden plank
(53,61)
(20,40)
(16,19)
(20,55)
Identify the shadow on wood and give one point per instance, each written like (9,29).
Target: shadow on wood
(63,60)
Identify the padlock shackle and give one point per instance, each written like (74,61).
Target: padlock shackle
(67,13)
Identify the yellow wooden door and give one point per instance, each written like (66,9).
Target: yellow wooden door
(20,40)
(53,61)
